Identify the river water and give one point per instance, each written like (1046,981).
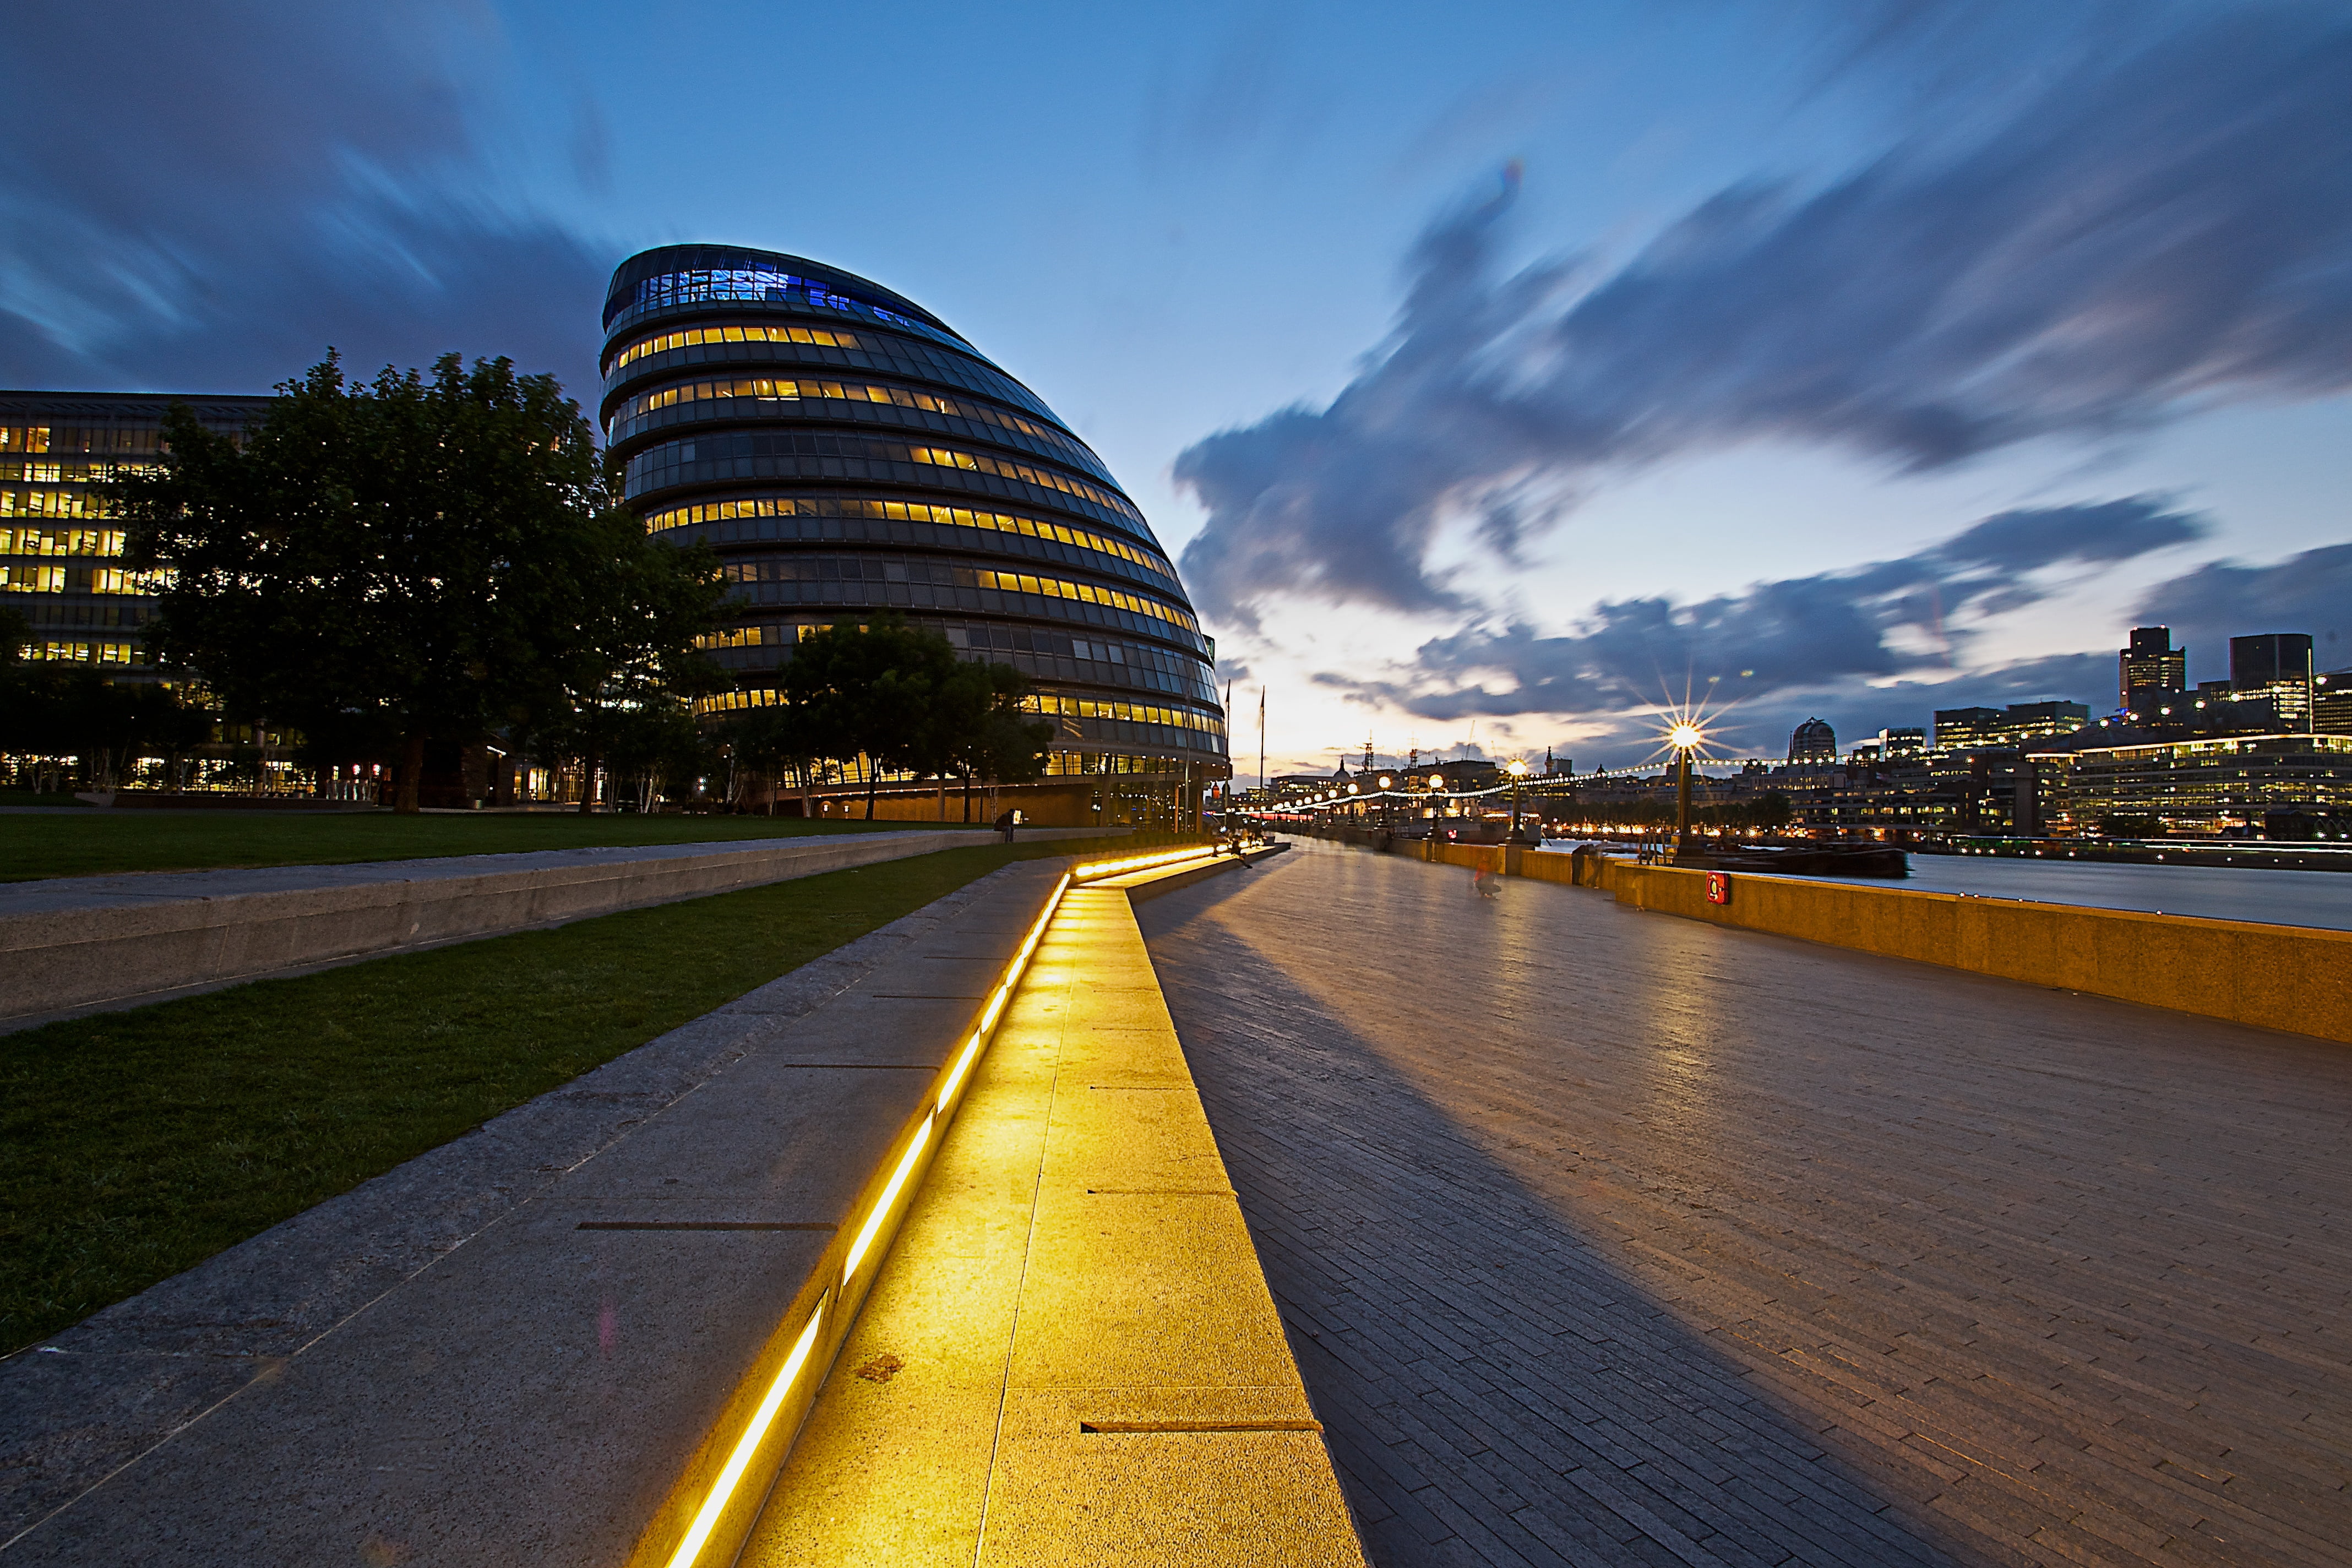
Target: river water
(2214,892)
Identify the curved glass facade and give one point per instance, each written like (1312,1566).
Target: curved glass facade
(843,451)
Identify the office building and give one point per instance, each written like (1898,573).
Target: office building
(60,558)
(844,451)
(1975,729)
(1889,744)
(2276,665)
(2222,785)
(2150,664)
(2331,703)
(1970,728)
(1813,741)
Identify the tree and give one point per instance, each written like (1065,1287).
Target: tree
(419,558)
(870,691)
(774,740)
(991,738)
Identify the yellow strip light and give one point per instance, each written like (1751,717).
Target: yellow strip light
(713,1506)
(1004,994)
(761,1419)
(1141,862)
(890,1195)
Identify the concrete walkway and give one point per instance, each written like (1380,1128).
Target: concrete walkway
(1609,1237)
(74,944)
(507,1351)
(1071,1356)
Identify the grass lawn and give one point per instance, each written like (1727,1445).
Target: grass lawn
(135,1145)
(139,840)
(31,798)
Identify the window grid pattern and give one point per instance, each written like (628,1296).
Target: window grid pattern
(796,454)
(742,286)
(904,522)
(874,352)
(640,412)
(82,653)
(701,284)
(62,541)
(831,569)
(1110,721)
(16,577)
(1038,652)
(695,337)
(51,503)
(2204,784)
(1064,705)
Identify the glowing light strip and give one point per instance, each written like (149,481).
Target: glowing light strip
(890,1195)
(1141,862)
(996,1004)
(761,1419)
(707,1518)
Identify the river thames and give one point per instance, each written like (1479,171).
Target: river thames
(2215,892)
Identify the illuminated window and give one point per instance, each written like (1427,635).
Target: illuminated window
(853,569)
(773,389)
(732,448)
(696,336)
(908,511)
(742,636)
(702,285)
(51,503)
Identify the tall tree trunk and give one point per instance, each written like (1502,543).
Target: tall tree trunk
(412,773)
(873,786)
(587,783)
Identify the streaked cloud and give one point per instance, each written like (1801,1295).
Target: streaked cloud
(2155,226)
(1877,623)
(205,197)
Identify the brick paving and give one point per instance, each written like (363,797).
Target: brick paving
(1607,1238)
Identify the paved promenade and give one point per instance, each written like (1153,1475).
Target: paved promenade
(1611,1237)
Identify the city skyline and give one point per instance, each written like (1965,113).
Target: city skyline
(1637,348)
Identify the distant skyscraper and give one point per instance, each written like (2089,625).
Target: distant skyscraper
(1813,741)
(2150,664)
(2276,665)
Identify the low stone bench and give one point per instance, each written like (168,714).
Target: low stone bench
(83,942)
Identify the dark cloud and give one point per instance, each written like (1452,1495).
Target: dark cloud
(203,198)
(2149,226)
(2310,593)
(1875,623)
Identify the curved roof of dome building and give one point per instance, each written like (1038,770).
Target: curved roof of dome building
(627,288)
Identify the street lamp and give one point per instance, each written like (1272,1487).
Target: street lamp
(1517,769)
(1684,739)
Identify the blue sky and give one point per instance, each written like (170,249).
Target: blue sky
(1668,339)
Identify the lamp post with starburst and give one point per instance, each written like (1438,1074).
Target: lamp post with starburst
(1686,738)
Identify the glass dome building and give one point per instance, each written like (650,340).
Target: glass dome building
(844,451)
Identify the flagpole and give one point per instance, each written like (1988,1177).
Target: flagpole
(1261,743)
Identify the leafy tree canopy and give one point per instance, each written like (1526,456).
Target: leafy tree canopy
(420,557)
